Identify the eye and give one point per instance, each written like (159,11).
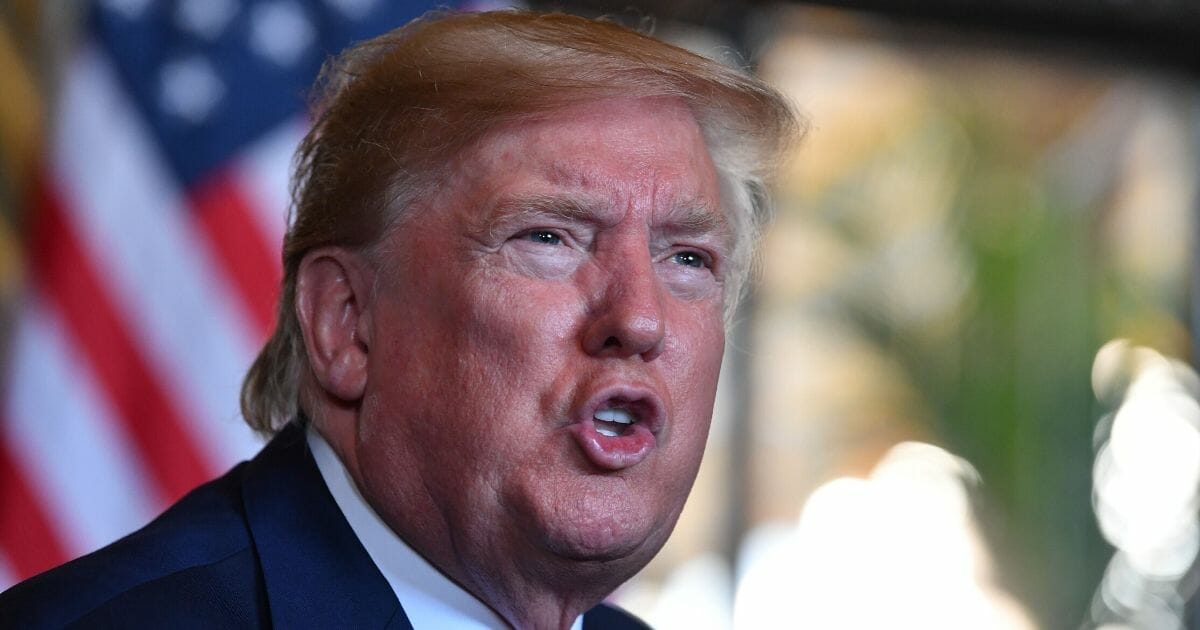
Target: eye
(544,237)
(689,259)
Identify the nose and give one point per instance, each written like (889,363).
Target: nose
(627,318)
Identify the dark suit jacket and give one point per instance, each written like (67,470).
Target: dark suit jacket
(265,545)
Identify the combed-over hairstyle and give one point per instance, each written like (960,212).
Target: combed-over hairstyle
(392,112)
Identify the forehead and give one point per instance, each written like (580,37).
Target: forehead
(620,154)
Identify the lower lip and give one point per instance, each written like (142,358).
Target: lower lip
(614,453)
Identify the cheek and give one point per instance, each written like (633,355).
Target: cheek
(521,323)
(495,368)
(505,380)
(692,370)
(695,345)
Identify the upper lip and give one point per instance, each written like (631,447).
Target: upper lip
(645,405)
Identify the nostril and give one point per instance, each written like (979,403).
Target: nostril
(615,334)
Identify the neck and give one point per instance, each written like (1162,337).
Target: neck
(529,587)
(534,603)
(544,595)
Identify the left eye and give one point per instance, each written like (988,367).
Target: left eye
(688,259)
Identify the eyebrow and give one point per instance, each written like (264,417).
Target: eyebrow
(693,218)
(565,207)
(698,218)
(511,210)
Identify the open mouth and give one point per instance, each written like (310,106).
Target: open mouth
(613,422)
(619,428)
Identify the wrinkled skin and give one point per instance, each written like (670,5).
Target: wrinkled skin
(572,261)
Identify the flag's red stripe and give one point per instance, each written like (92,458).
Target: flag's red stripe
(147,414)
(29,540)
(240,246)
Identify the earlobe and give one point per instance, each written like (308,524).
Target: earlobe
(330,304)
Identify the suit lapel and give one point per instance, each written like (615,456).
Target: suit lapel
(316,572)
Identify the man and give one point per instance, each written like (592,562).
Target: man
(516,238)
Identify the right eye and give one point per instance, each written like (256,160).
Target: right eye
(544,237)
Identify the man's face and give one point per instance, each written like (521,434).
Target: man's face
(545,339)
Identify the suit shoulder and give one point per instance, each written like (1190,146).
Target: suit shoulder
(608,617)
(224,594)
(203,534)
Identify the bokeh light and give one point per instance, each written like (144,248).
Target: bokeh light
(1147,484)
(898,549)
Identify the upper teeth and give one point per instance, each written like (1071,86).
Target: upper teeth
(615,415)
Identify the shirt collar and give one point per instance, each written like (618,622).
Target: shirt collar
(429,598)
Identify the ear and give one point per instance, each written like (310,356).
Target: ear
(331,303)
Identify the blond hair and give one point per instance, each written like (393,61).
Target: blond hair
(392,111)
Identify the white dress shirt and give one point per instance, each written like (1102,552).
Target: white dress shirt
(430,599)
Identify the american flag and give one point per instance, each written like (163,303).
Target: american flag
(153,259)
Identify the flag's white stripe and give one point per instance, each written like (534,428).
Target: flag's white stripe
(63,434)
(132,219)
(8,577)
(262,173)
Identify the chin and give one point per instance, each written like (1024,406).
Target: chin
(616,534)
(599,545)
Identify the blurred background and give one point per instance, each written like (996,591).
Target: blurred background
(962,394)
